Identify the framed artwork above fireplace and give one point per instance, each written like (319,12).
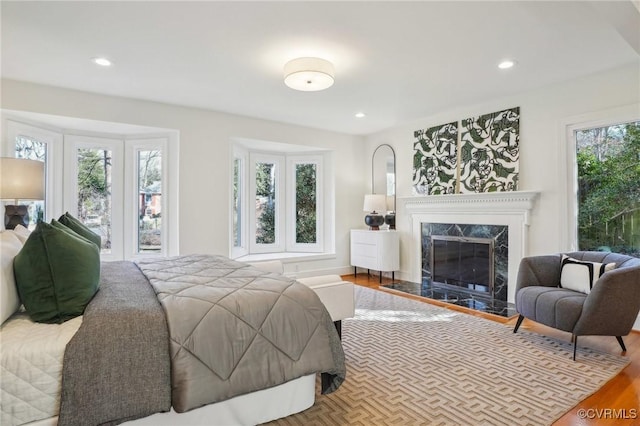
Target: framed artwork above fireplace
(475,155)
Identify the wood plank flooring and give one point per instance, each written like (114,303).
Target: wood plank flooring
(617,403)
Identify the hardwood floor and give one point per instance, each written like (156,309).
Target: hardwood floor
(616,403)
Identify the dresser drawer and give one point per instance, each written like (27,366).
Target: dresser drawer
(377,250)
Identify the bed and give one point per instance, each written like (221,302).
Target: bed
(180,340)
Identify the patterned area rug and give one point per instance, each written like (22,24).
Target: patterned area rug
(411,363)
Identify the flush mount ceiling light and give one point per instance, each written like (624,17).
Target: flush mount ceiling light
(308,74)
(103,62)
(360,115)
(506,64)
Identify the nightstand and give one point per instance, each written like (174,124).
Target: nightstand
(377,250)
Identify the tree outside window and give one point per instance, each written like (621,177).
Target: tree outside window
(608,160)
(94,192)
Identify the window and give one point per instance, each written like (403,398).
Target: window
(26,141)
(115,186)
(608,175)
(94,183)
(149,200)
(266,217)
(239,213)
(304,206)
(276,202)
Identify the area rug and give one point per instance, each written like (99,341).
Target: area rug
(411,363)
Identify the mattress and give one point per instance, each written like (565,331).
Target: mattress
(31,368)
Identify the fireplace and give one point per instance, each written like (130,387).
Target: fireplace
(472,259)
(501,216)
(463,263)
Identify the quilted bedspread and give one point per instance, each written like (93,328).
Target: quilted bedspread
(31,368)
(235,329)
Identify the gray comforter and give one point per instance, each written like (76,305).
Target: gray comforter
(235,329)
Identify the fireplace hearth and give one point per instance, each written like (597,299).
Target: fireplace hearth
(455,297)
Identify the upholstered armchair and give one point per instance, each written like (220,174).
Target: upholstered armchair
(609,308)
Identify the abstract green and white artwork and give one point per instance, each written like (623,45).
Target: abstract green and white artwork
(435,159)
(489,152)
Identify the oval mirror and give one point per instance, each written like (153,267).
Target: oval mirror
(383,174)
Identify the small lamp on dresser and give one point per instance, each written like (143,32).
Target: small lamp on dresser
(20,179)
(375,205)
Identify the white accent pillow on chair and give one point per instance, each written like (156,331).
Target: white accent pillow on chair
(580,275)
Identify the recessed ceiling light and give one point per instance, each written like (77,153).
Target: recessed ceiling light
(507,63)
(360,115)
(103,62)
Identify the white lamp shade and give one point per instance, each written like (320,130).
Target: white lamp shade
(375,203)
(21,179)
(308,74)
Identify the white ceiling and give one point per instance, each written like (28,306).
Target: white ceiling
(395,61)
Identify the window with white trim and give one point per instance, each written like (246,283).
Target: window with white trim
(277,202)
(34,143)
(113,185)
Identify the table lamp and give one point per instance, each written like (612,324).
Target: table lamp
(375,205)
(20,179)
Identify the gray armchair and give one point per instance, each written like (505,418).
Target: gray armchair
(610,309)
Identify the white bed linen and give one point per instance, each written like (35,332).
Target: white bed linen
(250,409)
(31,368)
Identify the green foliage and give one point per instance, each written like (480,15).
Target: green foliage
(306,196)
(609,189)
(265,179)
(265,189)
(93,180)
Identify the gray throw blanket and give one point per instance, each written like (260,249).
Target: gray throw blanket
(235,329)
(117,366)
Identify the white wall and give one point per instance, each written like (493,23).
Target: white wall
(205,140)
(544,115)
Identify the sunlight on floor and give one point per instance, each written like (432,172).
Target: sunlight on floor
(402,316)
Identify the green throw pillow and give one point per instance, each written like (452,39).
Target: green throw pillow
(57,273)
(80,228)
(68,230)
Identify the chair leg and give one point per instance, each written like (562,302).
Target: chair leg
(575,345)
(624,348)
(520,318)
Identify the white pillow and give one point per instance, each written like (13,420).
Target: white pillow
(580,275)
(22,233)
(10,245)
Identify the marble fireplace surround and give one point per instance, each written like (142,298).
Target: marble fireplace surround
(511,209)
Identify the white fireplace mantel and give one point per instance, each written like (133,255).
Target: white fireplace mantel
(511,209)
(496,202)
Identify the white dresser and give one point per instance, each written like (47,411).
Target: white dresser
(377,250)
